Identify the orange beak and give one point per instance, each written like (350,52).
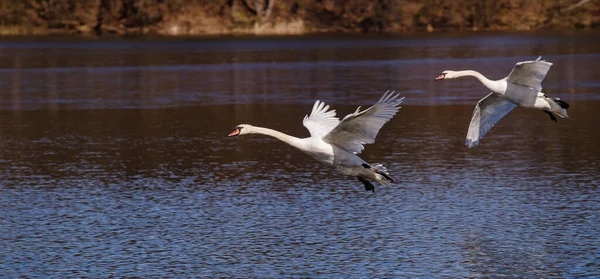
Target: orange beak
(440,77)
(234,133)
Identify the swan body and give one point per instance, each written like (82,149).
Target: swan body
(337,143)
(522,87)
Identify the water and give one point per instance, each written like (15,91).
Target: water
(114,160)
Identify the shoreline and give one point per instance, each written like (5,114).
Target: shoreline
(248,33)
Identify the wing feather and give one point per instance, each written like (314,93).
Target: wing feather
(530,73)
(320,121)
(361,127)
(486,114)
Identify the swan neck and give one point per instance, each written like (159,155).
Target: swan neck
(276,134)
(490,84)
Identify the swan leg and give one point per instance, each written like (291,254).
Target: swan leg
(552,117)
(367,183)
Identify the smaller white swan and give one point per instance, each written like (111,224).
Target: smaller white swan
(522,87)
(336,144)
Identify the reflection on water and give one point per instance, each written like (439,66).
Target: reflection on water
(114,161)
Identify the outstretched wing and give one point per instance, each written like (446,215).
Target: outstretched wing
(320,121)
(361,127)
(530,73)
(487,113)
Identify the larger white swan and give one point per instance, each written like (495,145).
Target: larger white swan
(336,144)
(522,87)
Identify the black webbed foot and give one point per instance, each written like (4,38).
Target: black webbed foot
(552,117)
(561,103)
(367,183)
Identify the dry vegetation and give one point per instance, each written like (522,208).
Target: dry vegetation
(198,17)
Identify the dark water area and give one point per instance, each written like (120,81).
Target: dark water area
(114,160)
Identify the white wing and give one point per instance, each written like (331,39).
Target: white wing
(488,111)
(320,121)
(361,127)
(530,73)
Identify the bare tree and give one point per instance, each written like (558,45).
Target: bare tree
(261,8)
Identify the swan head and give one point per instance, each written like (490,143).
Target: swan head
(241,129)
(446,75)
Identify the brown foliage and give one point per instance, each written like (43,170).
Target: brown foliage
(290,16)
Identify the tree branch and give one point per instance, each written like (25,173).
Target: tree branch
(574,6)
(248,7)
(269,9)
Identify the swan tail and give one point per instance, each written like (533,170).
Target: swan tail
(381,173)
(558,107)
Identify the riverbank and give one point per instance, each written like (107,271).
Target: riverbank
(285,17)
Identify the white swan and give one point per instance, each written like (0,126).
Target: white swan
(336,143)
(522,87)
